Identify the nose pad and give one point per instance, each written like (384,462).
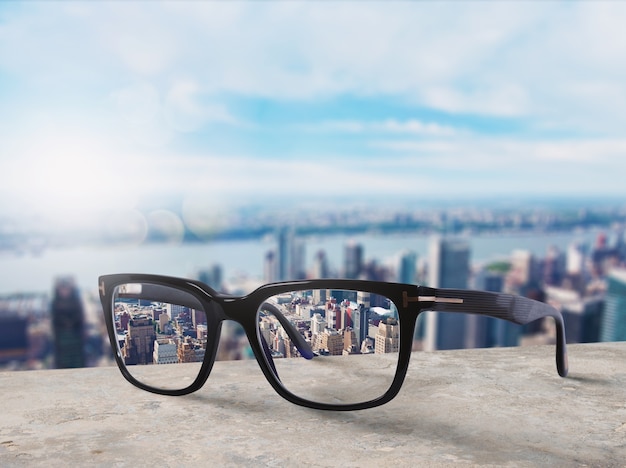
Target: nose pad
(234,344)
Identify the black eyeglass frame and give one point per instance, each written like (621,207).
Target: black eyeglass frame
(410,300)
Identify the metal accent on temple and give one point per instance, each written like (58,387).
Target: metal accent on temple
(448,300)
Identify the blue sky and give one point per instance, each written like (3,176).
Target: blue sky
(105,104)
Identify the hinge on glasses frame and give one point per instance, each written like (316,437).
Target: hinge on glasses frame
(101,288)
(448,300)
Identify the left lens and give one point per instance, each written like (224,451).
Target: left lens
(354,337)
(161,334)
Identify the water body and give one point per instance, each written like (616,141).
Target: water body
(36,273)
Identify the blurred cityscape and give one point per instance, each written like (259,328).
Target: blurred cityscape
(585,281)
(161,221)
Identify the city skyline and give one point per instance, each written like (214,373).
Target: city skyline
(576,280)
(109,104)
(175,224)
(144,136)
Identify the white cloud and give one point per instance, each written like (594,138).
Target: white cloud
(391,126)
(65,170)
(451,56)
(466,165)
(595,159)
(241,178)
(185,111)
(138,103)
(166,67)
(152,118)
(506,100)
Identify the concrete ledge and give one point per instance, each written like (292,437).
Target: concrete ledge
(500,407)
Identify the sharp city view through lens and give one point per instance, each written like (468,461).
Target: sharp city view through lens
(473,145)
(150,331)
(333,324)
(356,325)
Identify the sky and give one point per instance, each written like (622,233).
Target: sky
(109,104)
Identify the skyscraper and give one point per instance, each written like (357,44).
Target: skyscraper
(448,268)
(360,322)
(448,263)
(270,267)
(290,261)
(165,352)
(524,268)
(603,256)
(320,265)
(14,339)
(575,260)
(333,316)
(212,276)
(613,327)
(285,241)
(331,341)
(582,314)
(68,325)
(318,324)
(353,260)
(320,270)
(139,342)
(388,337)
(486,332)
(298,259)
(350,343)
(554,266)
(408,268)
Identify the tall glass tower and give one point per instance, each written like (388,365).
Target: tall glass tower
(613,327)
(285,241)
(448,267)
(291,256)
(353,260)
(408,268)
(68,325)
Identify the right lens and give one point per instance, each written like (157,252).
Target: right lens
(161,334)
(331,346)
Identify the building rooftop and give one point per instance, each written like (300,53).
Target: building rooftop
(497,407)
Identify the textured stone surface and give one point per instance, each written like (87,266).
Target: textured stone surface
(499,407)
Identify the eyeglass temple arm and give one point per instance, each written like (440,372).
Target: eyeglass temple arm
(156,293)
(516,309)
(294,335)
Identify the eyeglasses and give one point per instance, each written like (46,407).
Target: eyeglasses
(325,344)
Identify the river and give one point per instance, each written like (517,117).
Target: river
(241,259)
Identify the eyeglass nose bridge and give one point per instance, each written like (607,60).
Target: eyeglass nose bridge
(233,312)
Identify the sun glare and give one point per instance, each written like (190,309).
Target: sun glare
(70,179)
